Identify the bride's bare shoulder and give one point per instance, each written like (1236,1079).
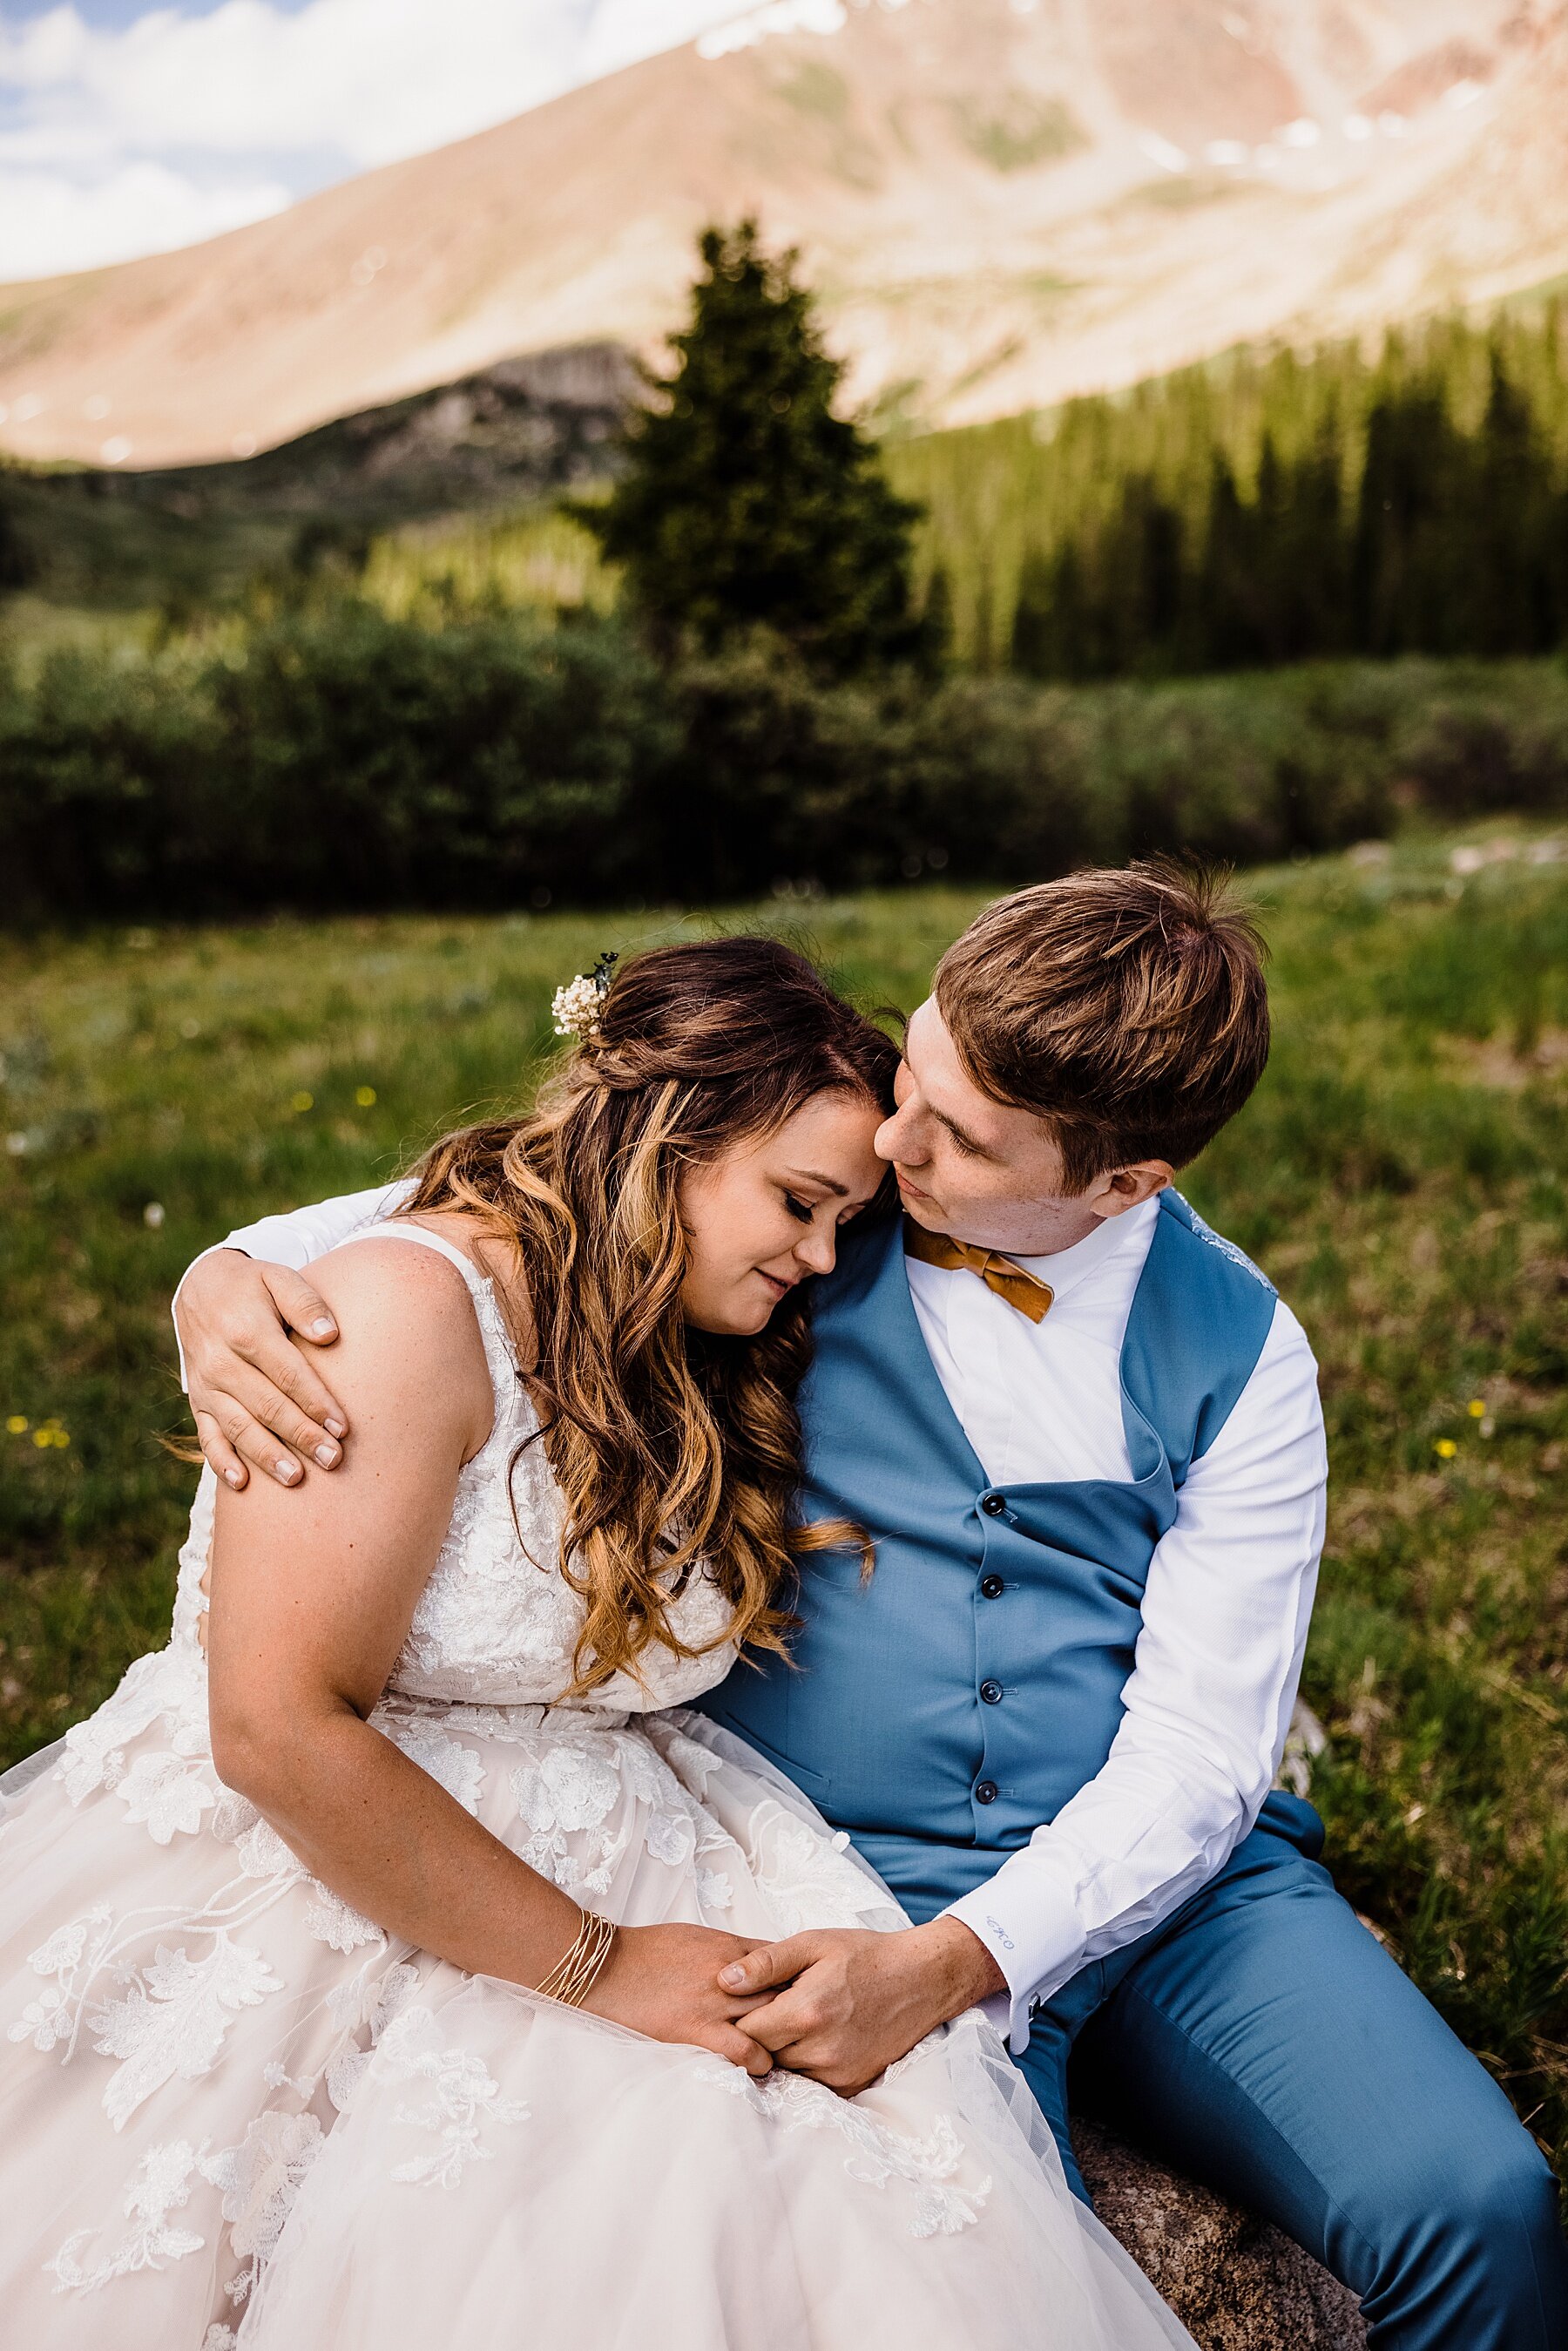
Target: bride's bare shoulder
(407,1328)
(493,1256)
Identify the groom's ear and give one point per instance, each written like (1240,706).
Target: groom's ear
(1121,1189)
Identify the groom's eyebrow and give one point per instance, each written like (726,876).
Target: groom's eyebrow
(807,1176)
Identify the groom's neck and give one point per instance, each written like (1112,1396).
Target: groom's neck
(1034,1228)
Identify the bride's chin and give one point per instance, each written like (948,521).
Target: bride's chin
(743,1321)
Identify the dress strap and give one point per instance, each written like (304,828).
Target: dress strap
(400,1229)
(500,1349)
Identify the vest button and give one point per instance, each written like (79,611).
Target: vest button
(986,1792)
(990,1692)
(992,1586)
(993,1505)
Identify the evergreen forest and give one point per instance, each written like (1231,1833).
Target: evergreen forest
(1267,508)
(1276,604)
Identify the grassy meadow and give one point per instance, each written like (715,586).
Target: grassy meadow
(1403,1175)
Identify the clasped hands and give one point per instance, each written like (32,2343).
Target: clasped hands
(842,2004)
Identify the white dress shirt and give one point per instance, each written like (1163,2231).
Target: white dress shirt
(1225,1609)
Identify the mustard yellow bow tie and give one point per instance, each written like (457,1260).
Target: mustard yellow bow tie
(1026,1292)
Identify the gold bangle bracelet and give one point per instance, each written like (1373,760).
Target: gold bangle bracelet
(575,1975)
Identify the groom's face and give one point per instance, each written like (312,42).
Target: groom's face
(981,1170)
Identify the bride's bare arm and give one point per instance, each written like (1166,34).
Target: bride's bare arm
(311,1598)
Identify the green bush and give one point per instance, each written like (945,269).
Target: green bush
(103,765)
(335,757)
(332,755)
(375,762)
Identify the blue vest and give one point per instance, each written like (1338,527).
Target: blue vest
(948,1705)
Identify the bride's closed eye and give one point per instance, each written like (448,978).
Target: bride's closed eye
(798,1208)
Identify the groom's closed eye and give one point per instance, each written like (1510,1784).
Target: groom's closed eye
(964,1142)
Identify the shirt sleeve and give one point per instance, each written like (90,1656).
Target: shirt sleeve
(301,1235)
(1206,1708)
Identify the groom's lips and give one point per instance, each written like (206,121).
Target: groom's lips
(913,1190)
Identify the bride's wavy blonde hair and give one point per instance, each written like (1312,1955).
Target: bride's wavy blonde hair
(671,1447)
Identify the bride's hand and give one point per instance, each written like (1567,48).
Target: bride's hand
(662,1980)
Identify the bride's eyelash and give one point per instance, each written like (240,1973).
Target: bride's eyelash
(797,1207)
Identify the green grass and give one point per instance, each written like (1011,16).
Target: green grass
(1401,1173)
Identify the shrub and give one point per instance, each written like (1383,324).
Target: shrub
(335,757)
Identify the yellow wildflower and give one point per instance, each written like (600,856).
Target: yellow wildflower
(17,1424)
(1445,1448)
(366,1097)
(302,1101)
(1477,1408)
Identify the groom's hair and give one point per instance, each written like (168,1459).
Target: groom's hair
(1126,1006)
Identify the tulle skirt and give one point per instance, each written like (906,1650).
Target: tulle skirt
(234,2112)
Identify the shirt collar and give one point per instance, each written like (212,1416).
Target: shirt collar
(1064,1269)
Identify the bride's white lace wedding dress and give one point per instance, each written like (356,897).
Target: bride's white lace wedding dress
(234,2111)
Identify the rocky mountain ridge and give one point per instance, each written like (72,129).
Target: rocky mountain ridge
(1002,201)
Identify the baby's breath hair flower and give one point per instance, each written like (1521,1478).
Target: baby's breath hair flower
(576,1007)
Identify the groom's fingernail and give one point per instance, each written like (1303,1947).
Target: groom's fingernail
(285,1472)
(733,1976)
(322,1329)
(333,1427)
(327,1456)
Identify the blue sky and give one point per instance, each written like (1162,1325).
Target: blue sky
(128,130)
(118,13)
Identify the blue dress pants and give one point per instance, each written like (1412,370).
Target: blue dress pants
(1263,2042)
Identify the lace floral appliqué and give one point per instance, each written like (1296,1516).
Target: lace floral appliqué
(161,2185)
(877,2153)
(260,2179)
(464,2100)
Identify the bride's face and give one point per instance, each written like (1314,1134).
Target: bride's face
(766,1214)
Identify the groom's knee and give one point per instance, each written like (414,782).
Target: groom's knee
(1473,2257)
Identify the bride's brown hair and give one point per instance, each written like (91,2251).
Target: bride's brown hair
(669,1445)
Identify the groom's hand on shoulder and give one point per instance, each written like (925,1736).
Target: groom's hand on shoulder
(849,2002)
(257,1398)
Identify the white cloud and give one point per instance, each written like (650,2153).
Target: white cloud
(119,142)
(49,222)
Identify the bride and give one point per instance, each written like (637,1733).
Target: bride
(360,1958)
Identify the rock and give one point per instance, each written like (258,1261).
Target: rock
(1235,2283)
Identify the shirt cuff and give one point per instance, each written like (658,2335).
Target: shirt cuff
(174,1303)
(1029,1923)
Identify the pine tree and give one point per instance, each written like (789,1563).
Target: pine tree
(16,562)
(746,502)
(1512,603)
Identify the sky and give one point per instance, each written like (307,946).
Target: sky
(128,130)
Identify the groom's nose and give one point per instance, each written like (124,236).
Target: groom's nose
(891,1139)
(897,1138)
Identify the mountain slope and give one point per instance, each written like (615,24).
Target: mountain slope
(1003,201)
(107,539)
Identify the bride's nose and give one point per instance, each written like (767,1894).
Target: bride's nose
(818,1249)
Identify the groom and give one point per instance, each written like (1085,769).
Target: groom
(1085,1437)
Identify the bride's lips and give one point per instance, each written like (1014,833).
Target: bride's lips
(780,1289)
